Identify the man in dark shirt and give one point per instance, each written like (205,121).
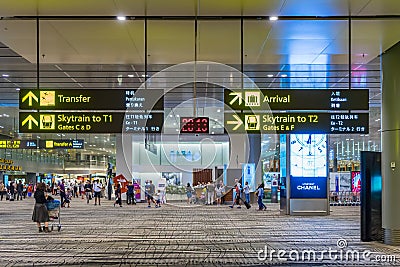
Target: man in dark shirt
(61,187)
(88,191)
(130,194)
(20,190)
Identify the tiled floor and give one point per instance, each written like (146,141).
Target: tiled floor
(181,235)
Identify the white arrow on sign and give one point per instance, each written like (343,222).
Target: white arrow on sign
(237,95)
(238,122)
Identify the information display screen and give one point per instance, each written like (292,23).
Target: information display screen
(195,125)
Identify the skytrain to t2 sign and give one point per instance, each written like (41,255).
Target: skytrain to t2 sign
(92,99)
(290,123)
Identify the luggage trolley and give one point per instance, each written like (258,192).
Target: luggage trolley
(54,208)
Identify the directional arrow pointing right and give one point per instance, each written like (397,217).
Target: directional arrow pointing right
(238,122)
(29,120)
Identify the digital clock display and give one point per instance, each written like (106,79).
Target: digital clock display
(194,125)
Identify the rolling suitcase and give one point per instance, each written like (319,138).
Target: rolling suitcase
(248,206)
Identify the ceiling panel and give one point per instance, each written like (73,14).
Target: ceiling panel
(91,42)
(205,7)
(220,7)
(262,7)
(170,42)
(322,7)
(383,7)
(20,36)
(214,46)
(169,7)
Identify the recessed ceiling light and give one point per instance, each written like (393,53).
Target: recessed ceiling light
(273,18)
(131,75)
(121,18)
(5,75)
(17,89)
(284,75)
(218,110)
(270,75)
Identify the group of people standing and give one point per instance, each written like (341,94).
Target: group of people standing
(210,193)
(214,192)
(15,190)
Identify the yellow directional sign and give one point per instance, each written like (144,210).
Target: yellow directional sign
(237,96)
(47,98)
(238,122)
(49,144)
(252,98)
(47,122)
(252,122)
(30,119)
(30,96)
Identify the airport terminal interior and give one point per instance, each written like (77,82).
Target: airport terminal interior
(200,132)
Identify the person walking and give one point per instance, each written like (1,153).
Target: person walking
(40,214)
(189,193)
(246,191)
(151,190)
(20,190)
(130,194)
(97,186)
(260,196)
(75,190)
(237,190)
(210,193)
(11,191)
(219,191)
(82,189)
(61,188)
(118,195)
(3,190)
(88,191)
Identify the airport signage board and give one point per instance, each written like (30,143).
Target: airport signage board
(18,144)
(62,144)
(91,99)
(308,187)
(289,123)
(49,144)
(297,99)
(90,122)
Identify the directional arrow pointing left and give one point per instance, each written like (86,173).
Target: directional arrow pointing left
(29,120)
(30,96)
